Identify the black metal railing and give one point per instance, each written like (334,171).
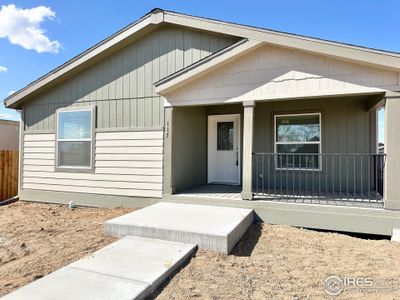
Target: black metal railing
(323,176)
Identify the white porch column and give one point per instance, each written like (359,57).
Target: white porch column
(248,122)
(391,188)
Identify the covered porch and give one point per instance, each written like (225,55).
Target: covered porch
(233,192)
(294,126)
(332,161)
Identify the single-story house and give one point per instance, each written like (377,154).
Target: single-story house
(190,109)
(9,135)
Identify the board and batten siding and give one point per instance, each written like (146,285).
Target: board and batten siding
(126,164)
(121,86)
(346,125)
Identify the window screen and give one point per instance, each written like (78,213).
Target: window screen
(74,139)
(298,138)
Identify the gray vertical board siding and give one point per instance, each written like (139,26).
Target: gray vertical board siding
(121,86)
(345,123)
(346,127)
(189,143)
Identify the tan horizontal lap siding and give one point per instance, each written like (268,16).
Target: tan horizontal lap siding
(129,150)
(96,176)
(129,143)
(126,164)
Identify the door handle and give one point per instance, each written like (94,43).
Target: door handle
(237,158)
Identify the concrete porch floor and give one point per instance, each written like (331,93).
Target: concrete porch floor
(213,191)
(334,215)
(232,192)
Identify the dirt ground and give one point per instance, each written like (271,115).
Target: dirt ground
(270,262)
(282,262)
(37,239)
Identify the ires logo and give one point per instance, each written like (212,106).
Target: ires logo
(358,282)
(334,285)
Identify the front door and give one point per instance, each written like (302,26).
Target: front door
(224,149)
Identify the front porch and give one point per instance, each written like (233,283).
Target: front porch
(336,165)
(304,150)
(343,217)
(233,192)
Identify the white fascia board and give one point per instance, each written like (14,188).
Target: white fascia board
(367,56)
(372,57)
(154,18)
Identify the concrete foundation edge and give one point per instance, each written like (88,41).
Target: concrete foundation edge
(83,199)
(346,219)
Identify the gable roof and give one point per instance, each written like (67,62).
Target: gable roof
(205,65)
(375,57)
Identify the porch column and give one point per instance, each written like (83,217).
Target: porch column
(168,186)
(391,189)
(248,121)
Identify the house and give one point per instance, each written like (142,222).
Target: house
(194,110)
(9,135)
(381,148)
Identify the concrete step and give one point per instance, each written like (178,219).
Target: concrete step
(210,227)
(131,268)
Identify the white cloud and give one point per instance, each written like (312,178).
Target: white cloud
(10,93)
(3,69)
(23,27)
(7,116)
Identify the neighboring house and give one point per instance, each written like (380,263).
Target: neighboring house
(381,148)
(174,102)
(9,135)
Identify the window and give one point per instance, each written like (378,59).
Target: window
(74,139)
(298,138)
(225,136)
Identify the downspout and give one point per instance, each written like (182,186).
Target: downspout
(21,147)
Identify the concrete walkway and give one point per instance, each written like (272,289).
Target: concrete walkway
(158,240)
(131,268)
(215,228)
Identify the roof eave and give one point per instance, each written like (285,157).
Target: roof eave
(202,67)
(377,58)
(15,100)
(373,57)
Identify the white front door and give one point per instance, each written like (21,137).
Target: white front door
(224,149)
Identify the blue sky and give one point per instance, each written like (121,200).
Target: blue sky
(72,26)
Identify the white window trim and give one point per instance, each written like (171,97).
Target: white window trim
(90,168)
(302,143)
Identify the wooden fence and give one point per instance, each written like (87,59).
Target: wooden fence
(8,174)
